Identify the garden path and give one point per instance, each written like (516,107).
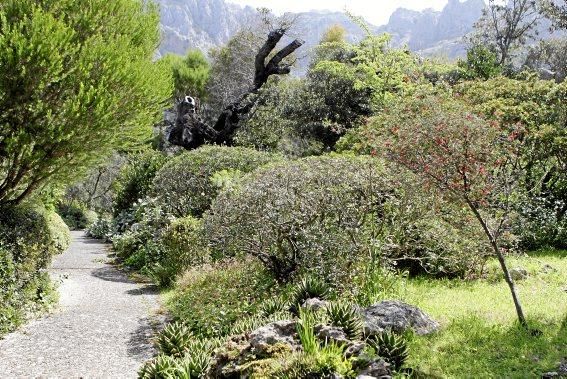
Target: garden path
(100,329)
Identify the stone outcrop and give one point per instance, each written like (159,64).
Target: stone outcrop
(397,317)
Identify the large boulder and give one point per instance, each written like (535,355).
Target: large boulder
(284,332)
(398,317)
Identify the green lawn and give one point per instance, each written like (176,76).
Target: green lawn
(480,337)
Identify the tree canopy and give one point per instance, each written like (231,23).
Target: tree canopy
(78,81)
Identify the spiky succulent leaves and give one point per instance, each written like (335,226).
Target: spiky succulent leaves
(345,316)
(174,339)
(197,363)
(273,305)
(392,347)
(306,331)
(161,367)
(308,287)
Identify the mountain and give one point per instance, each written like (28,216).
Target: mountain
(204,24)
(199,24)
(435,33)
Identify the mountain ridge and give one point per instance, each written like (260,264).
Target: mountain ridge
(203,24)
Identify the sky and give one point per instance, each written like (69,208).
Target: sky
(376,12)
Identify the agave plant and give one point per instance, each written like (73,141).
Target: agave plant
(161,367)
(273,305)
(174,339)
(194,365)
(392,347)
(345,316)
(307,288)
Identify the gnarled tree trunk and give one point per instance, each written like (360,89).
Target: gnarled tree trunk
(191,132)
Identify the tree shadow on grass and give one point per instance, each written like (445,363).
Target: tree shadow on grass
(470,347)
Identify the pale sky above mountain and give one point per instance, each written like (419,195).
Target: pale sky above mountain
(375,11)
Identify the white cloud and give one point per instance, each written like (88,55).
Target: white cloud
(375,11)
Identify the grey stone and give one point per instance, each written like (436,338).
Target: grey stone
(354,349)
(518,273)
(262,339)
(398,317)
(314,304)
(378,368)
(331,334)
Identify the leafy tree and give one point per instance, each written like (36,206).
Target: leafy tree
(505,26)
(77,83)
(472,161)
(556,10)
(190,73)
(481,63)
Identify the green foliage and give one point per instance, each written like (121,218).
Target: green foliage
(102,229)
(210,299)
(76,84)
(540,107)
(306,332)
(58,231)
(182,247)
(392,347)
(29,237)
(76,215)
(344,315)
(309,287)
(174,340)
(135,179)
(184,186)
(190,73)
(323,214)
(273,305)
(161,367)
(481,63)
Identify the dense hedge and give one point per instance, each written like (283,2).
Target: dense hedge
(29,237)
(184,186)
(76,215)
(328,215)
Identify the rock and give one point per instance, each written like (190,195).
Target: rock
(314,304)
(331,334)
(550,375)
(398,317)
(518,273)
(279,332)
(354,349)
(378,368)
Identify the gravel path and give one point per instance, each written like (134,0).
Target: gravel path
(101,328)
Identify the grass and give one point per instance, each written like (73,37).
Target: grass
(480,337)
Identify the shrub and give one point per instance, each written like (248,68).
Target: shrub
(325,215)
(210,299)
(59,232)
(183,247)
(101,229)
(135,179)
(29,237)
(302,215)
(76,215)
(184,186)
